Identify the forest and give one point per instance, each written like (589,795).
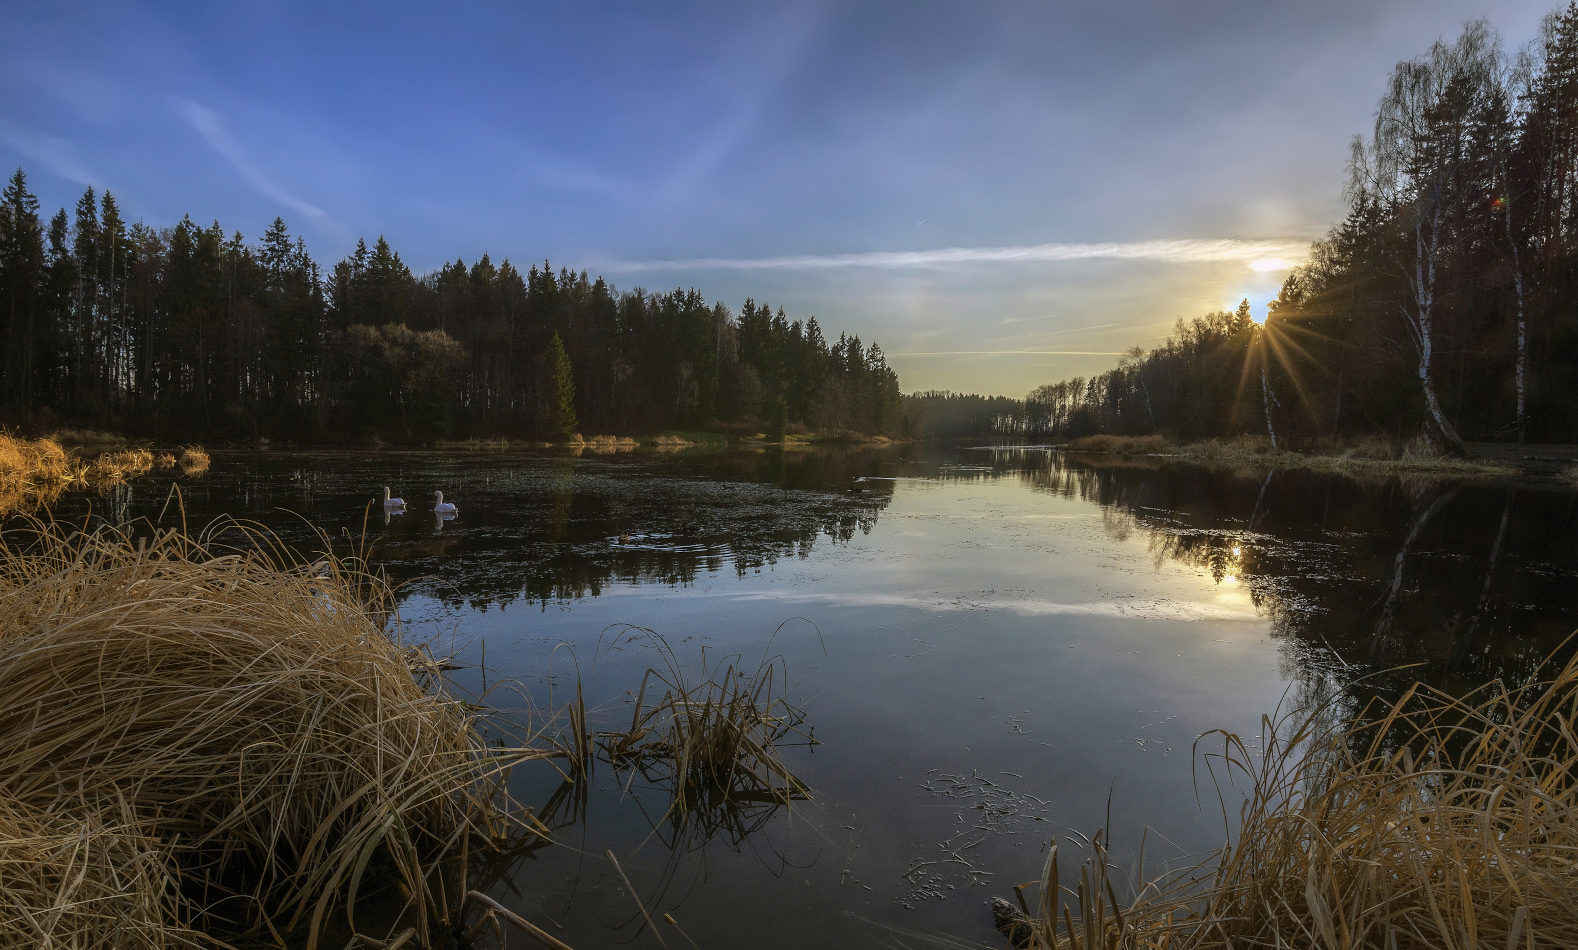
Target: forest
(187,332)
(1442,305)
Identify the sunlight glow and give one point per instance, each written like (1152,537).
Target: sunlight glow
(1270,264)
(1237,552)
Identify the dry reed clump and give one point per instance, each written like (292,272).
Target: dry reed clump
(84,883)
(28,462)
(115,466)
(711,739)
(193,460)
(1441,822)
(245,712)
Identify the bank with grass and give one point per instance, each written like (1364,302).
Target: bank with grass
(1374,456)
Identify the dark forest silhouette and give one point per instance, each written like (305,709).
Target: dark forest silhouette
(185,331)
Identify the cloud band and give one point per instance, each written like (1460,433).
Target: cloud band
(1184,251)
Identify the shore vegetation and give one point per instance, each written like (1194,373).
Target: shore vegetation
(1371,456)
(34,472)
(210,736)
(1435,821)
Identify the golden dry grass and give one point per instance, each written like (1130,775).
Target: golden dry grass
(80,882)
(34,472)
(1439,822)
(33,461)
(193,460)
(242,717)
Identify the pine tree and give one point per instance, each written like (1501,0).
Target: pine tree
(21,279)
(561,379)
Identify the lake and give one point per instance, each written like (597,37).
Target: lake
(990,646)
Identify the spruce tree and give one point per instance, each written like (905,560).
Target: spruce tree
(561,378)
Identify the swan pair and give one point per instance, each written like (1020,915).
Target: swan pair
(440,506)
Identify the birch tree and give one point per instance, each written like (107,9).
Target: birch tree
(1413,166)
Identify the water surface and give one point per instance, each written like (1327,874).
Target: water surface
(993,646)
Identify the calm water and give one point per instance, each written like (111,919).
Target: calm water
(991,645)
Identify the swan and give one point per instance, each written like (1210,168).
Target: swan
(442,507)
(392,502)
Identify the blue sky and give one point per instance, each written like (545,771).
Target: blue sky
(1001,194)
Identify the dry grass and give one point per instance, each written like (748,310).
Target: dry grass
(34,472)
(1366,456)
(1122,445)
(34,461)
(193,460)
(119,465)
(712,738)
(1439,822)
(235,720)
(84,883)
(81,437)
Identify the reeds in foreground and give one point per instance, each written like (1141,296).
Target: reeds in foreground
(1437,822)
(221,737)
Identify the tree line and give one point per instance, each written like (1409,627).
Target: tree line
(1442,304)
(190,332)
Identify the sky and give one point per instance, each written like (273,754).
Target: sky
(1001,194)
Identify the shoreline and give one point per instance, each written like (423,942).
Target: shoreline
(1357,458)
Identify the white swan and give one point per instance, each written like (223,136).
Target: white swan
(392,502)
(442,507)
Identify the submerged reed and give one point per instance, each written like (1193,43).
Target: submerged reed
(229,734)
(711,739)
(1438,821)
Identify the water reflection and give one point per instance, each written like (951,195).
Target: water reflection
(535,527)
(1011,637)
(1461,583)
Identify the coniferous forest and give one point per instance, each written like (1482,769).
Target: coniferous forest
(1445,303)
(189,332)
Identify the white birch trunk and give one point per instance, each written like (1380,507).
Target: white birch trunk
(1423,320)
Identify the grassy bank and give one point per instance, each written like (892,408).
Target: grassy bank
(1371,456)
(36,471)
(199,738)
(1439,821)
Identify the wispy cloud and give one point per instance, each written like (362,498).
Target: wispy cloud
(55,154)
(212,127)
(1185,251)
